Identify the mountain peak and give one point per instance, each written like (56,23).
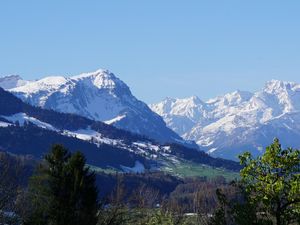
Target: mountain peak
(97,95)
(273,86)
(195,99)
(239,95)
(229,124)
(99,72)
(233,98)
(101,79)
(11,81)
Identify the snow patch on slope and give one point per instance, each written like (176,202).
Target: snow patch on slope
(146,149)
(114,120)
(4,124)
(22,118)
(138,168)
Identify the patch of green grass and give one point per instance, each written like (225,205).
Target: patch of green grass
(182,168)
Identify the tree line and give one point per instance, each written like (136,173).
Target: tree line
(63,190)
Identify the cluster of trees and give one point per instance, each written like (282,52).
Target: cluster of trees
(63,190)
(269,191)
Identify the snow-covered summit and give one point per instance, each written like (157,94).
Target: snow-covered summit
(231,99)
(226,124)
(273,86)
(101,79)
(46,84)
(98,95)
(11,81)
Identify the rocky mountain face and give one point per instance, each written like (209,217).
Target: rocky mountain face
(99,95)
(228,125)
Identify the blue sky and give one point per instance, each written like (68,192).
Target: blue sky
(159,48)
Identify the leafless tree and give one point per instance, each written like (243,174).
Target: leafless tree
(113,212)
(145,197)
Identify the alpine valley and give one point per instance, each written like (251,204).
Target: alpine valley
(236,122)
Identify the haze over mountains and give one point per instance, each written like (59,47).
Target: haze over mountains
(228,125)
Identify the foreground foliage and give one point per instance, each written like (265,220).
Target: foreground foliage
(273,182)
(270,188)
(63,191)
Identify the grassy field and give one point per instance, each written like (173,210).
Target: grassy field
(183,168)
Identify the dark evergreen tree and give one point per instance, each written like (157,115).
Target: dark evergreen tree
(63,191)
(83,192)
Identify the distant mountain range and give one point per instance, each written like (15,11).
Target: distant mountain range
(29,130)
(99,95)
(223,127)
(231,124)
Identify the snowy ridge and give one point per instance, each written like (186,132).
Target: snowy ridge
(22,118)
(98,95)
(12,81)
(4,124)
(143,148)
(238,121)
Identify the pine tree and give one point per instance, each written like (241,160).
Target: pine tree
(63,191)
(83,191)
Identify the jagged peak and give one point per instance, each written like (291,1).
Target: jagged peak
(164,105)
(99,72)
(194,98)
(183,104)
(189,100)
(278,85)
(244,95)
(101,78)
(193,101)
(168,99)
(232,97)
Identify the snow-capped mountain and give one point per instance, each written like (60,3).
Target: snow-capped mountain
(25,129)
(98,95)
(228,125)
